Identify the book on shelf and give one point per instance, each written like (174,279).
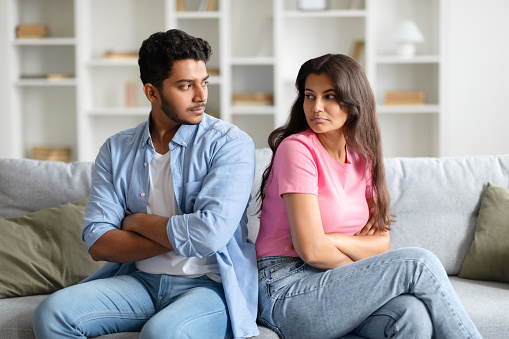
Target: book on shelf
(212,71)
(51,153)
(48,76)
(405,97)
(203,5)
(357,49)
(128,54)
(32,31)
(253,99)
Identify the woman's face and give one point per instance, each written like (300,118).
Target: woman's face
(321,107)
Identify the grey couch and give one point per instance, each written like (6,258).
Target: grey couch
(436,202)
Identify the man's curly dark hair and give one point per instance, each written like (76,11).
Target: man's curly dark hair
(159,52)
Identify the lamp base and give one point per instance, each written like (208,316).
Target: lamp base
(407,50)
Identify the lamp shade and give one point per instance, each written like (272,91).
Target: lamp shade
(409,32)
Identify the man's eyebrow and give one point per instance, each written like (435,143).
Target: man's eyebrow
(191,80)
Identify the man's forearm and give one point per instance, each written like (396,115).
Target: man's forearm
(124,246)
(150,226)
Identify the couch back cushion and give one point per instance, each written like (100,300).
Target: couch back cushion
(31,185)
(436,201)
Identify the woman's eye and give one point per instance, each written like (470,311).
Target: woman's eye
(308,96)
(331,96)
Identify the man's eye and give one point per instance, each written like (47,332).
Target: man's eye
(205,83)
(185,86)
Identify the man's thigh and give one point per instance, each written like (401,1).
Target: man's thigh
(200,312)
(117,304)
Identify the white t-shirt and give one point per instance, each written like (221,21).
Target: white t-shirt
(162,202)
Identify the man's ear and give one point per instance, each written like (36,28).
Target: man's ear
(151,92)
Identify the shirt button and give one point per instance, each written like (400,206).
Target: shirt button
(145,164)
(184,143)
(142,194)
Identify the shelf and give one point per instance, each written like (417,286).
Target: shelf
(407,109)
(45,42)
(418,59)
(326,14)
(106,62)
(45,82)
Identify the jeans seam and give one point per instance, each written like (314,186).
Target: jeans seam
(181,326)
(95,316)
(445,297)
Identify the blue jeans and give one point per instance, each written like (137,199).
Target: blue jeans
(160,306)
(403,293)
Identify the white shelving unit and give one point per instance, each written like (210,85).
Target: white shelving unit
(256,53)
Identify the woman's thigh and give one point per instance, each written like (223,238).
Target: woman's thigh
(198,312)
(297,299)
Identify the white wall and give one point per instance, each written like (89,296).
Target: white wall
(476,117)
(6,146)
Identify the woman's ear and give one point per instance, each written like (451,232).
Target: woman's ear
(151,92)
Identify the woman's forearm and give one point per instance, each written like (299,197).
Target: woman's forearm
(360,247)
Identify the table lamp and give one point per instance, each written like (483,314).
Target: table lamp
(408,34)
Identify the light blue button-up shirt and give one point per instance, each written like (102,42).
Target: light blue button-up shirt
(212,166)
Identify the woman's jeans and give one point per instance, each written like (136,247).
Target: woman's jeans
(403,293)
(160,306)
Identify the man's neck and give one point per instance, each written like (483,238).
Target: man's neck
(162,135)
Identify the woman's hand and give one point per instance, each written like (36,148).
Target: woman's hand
(371,226)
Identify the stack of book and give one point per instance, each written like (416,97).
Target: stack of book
(405,98)
(32,31)
(127,54)
(253,99)
(51,153)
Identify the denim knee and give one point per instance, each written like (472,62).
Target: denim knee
(49,314)
(424,257)
(417,319)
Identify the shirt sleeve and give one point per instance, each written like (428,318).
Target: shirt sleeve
(295,168)
(219,205)
(104,210)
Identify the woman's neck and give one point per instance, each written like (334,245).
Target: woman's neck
(334,144)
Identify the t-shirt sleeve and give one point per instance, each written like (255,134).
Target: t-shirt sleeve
(295,168)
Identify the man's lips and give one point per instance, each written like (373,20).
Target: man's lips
(197,108)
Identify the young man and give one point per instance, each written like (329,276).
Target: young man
(168,212)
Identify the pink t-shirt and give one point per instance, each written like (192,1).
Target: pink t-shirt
(302,165)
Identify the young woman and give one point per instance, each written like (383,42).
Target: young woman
(325,269)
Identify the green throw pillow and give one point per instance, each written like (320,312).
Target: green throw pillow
(43,252)
(488,257)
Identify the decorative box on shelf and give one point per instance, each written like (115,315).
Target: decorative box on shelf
(405,97)
(51,153)
(253,99)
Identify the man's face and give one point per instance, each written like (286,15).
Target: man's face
(184,93)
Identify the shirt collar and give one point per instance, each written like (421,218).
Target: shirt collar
(182,137)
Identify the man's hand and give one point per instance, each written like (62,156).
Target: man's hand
(150,226)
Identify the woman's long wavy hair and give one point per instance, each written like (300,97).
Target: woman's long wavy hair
(361,129)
